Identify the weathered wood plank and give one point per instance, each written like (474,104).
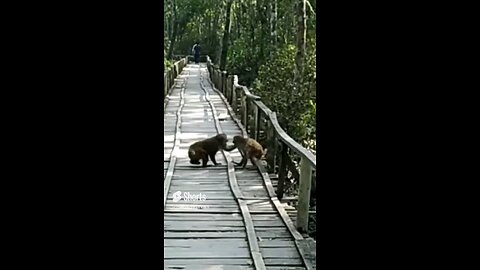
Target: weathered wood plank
(308,252)
(209,262)
(212,252)
(280,252)
(201,216)
(202,224)
(206,243)
(213,267)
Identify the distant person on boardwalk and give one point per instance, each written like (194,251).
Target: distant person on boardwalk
(196,52)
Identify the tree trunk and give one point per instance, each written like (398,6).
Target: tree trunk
(226,33)
(301,37)
(174,31)
(263,28)
(273,21)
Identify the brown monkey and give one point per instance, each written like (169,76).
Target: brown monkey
(207,148)
(248,148)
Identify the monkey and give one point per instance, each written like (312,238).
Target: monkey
(207,148)
(248,148)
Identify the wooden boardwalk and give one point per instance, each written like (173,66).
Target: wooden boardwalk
(235,221)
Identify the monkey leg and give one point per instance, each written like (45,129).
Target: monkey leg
(244,161)
(252,159)
(196,162)
(212,157)
(243,157)
(248,154)
(204,160)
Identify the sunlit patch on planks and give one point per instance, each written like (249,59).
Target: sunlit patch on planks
(239,225)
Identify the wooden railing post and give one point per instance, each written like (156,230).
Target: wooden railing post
(282,173)
(234,99)
(220,81)
(245,112)
(224,82)
(304,195)
(229,89)
(270,137)
(253,133)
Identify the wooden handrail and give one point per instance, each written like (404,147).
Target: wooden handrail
(262,124)
(170,75)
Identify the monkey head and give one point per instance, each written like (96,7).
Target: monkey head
(238,139)
(222,138)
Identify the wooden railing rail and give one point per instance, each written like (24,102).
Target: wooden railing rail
(171,74)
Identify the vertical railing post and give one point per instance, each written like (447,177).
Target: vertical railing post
(282,173)
(253,133)
(304,195)
(270,138)
(220,81)
(224,82)
(245,111)
(234,99)
(228,95)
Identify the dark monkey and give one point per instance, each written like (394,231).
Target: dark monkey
(207,148)
(248,148)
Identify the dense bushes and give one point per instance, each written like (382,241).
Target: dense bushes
(294,104)
(167,64)
(243,62)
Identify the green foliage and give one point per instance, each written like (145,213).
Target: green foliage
(167,64)
(293,101)
(240,61)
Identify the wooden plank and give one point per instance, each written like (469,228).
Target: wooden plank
(269,223)
(285,268)
(213,267)
(228,202)
(280,252)
(209,262)
(188,182)
(202,224)
(231,262)
(212,252)
(205,243)
(199,187)
(197,228)
(308,252)
(283,262)
(272,243)
(212,195)
(201,216)
(199,209)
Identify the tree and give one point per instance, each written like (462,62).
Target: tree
(226,33)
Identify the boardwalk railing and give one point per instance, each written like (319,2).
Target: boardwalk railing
(171,74)
(284,154)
